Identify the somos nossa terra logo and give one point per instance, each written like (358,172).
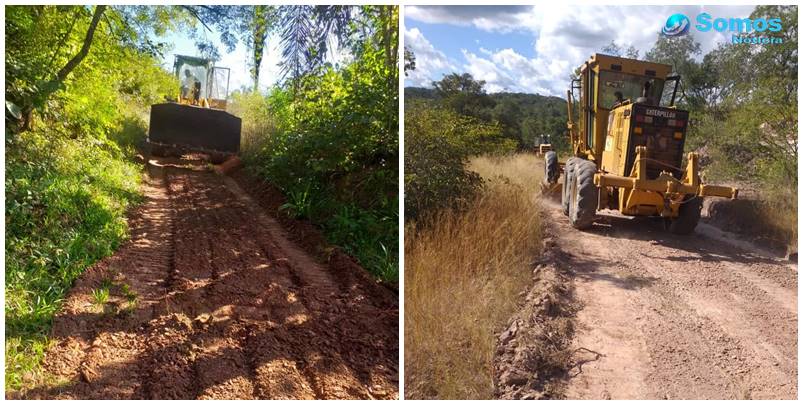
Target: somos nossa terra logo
(744,30)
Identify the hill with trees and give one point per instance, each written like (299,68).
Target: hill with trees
(523,117)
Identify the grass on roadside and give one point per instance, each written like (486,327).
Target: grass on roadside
(66,201)
(463,278)
(778,210)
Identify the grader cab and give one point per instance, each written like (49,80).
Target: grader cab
(627,147)
(197,119)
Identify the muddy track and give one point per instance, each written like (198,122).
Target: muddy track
(211,300)
(675,317)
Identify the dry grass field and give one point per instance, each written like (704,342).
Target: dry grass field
(463,279)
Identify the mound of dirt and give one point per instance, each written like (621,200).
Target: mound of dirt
(745,218)
(231,165)
(534,349)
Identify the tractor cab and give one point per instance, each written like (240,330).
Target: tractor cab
(201,82)
(197,119)
(609,83)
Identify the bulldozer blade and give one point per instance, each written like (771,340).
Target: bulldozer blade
(194,127)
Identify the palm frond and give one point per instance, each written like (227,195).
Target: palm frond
(297,35)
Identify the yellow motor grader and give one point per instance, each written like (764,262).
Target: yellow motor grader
(627,148)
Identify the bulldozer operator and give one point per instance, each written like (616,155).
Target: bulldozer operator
(190,87)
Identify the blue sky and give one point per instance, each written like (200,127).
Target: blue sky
(534,49)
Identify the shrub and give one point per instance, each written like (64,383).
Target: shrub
(329,141)
(438,142)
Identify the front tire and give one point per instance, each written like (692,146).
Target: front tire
(551,169)
(584,195)
(568,171)
(688,215)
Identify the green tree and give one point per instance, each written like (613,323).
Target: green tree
(615,49)
(465,95)
(680,52)
(509,114)
(409,60)
(758,103)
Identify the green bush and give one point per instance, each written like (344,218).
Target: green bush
(438,142)
(70,177)
(329,141)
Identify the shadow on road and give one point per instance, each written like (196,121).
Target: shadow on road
(690,248)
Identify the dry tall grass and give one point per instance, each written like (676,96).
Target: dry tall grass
(779,213)
(463,279)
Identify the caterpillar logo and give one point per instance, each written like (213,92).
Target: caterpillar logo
(660,113)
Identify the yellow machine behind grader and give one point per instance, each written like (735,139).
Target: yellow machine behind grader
(627,148)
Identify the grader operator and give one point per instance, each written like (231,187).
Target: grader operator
(627,148)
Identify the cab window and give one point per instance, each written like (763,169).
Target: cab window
(627,86)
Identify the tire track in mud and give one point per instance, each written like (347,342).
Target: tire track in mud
(226,308)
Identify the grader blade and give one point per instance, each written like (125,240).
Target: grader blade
(552,191)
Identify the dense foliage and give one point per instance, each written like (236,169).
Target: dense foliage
(525,118)
(329,140)
(69,173)
(456,119)
(438,143)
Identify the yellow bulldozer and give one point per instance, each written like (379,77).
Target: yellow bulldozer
(197,119)
(627,147)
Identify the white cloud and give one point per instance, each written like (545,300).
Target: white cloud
(489,18)
(564,37)
(428,60)
(507,70)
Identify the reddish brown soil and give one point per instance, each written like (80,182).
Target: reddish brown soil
(227,307)
(305,234)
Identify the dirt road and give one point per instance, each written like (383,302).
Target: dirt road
(665,316)
(210,299)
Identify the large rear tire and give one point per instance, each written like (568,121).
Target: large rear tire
(551,168)
(568,171)
(584,195)
(688,215)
